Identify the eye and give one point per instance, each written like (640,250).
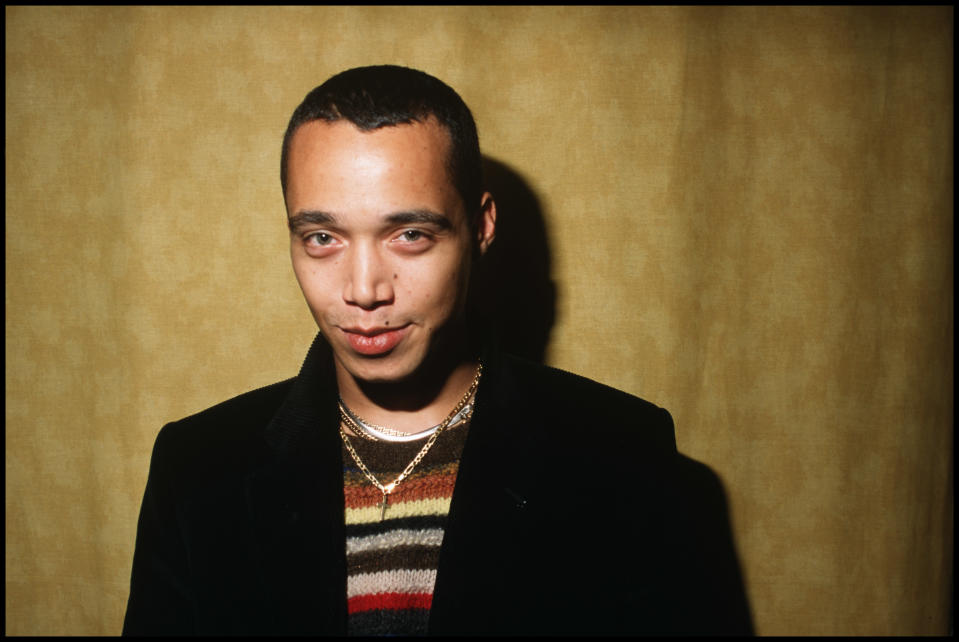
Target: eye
(412,235)
(414,241)
(319,238)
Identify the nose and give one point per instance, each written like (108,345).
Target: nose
(368,284)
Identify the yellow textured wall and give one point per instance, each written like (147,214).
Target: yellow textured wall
(748,212)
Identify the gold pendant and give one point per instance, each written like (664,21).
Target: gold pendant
(386,490)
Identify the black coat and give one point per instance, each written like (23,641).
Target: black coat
(572,513)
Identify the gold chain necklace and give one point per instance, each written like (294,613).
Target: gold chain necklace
(354,421)
(373,432)
(389,488)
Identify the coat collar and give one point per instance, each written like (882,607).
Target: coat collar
(310,403)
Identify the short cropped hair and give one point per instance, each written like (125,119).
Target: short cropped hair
(386,95)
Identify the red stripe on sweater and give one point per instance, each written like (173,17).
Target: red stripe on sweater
(389,601)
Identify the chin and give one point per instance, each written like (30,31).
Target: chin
(389,368)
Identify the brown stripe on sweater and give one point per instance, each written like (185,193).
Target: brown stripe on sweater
(357,478)
(427,487)
(388,456)
(409,557)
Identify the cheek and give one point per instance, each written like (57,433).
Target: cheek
(435,291)
(316,285)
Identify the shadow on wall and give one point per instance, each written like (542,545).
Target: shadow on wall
(514,290)
(515,295)
(701,525)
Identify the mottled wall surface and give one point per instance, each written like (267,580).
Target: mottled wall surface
(746,213)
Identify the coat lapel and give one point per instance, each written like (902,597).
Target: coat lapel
(493,503)
(297,506)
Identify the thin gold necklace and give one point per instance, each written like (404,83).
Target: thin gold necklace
(389,488)
(373,432)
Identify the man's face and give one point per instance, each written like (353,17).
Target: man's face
(380,242)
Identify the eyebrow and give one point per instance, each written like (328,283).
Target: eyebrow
(421,216)
(417,216)
(309,217)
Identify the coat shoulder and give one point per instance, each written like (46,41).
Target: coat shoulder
(556,382)
(227,435)
(227,420)
(572,402)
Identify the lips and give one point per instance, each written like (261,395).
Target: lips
(374,341)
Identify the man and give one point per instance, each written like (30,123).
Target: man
(412,478)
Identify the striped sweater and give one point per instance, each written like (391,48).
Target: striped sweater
(391,564)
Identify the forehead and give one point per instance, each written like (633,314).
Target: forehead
(338,161)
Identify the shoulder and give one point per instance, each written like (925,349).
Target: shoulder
(571,403)
(567,387)
(229,432)
(239,415)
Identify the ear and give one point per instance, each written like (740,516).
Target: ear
(486,223)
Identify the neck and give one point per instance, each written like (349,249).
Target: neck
(417,402)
